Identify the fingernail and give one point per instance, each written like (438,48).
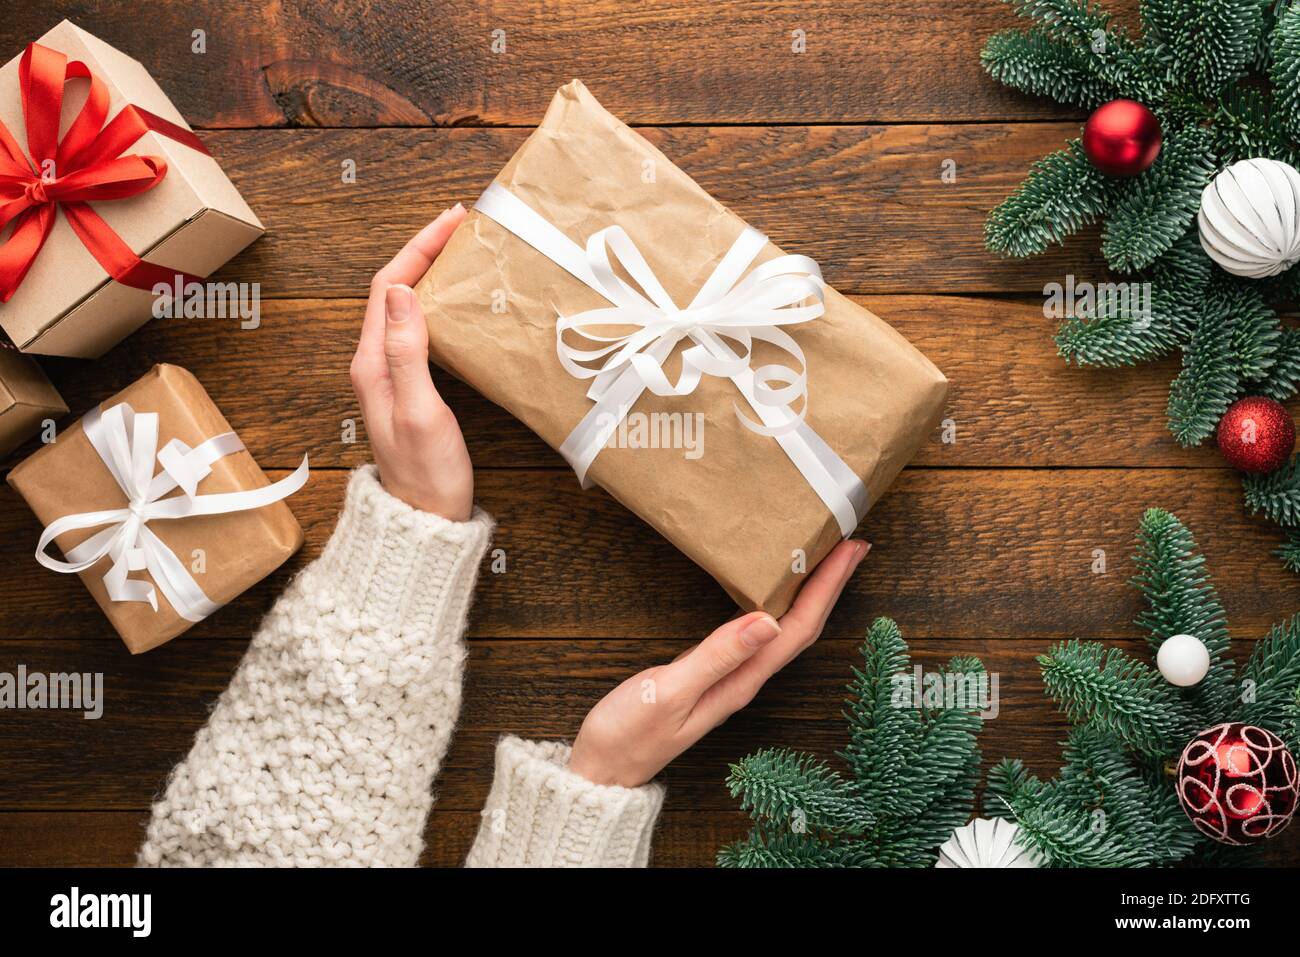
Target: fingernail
(760,631)
(397,303)
(458,208)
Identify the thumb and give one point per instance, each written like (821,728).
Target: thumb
(406,348)
(718,655)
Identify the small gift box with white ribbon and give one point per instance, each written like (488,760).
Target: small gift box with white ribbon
(107,198)
(157,505)
(673,355)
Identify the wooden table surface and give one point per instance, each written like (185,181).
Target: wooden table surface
(983,546)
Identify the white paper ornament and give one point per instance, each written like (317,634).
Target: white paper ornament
(1250,218)
(1183,660)
(986,842)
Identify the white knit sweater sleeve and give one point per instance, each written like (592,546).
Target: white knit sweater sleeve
(323,749)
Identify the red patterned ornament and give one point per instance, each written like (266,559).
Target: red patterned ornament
(1122,138)
(1256,434)
(1238,783)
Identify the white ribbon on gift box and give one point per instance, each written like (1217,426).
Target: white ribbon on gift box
(753,308)
(127,441)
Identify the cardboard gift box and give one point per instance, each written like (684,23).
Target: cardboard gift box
(224,553)
(26,399)
(735,503)
(190,221)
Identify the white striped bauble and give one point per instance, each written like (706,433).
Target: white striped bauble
(1250,218)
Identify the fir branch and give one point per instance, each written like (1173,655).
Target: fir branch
(1271,679)
(784,849)
(1244,126)
(1208,382)
(1209,43)
(1276,494)
(1289,551)
(1283,378)
(1123,696)
(1009,784)
(1039,64)
(1181,600)
(1079,20)
(1256,331)
(1099,774)
(1063,193)
(790,789)
(1284,68)
(1153,210)
(1116,333)
(1069,836)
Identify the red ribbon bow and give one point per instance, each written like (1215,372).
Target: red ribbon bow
(87,165)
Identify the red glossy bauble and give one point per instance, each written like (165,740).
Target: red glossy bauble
(1256,434)
(1238,783)
(1122,138)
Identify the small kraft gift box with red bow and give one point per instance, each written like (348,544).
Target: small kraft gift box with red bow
(105,194)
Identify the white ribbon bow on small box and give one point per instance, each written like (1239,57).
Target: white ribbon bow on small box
(730,305)
(126,442)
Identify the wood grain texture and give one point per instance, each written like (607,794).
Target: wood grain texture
(867,202)
(1004,554)
(683,838)
(409,63)
(1012,401)
(543,687)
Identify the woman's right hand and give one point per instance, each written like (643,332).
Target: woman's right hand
(416,440)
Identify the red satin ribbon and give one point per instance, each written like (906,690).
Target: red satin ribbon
(86,165)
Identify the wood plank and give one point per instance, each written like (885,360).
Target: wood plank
(404,62)
(682,838)
(1013,401)
(972,553)
(867,202)
(57,762)
(111,838)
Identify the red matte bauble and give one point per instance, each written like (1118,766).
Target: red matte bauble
(1122,138)
(1256,434)
(1238,783)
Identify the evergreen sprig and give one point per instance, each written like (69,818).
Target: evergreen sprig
(913,773)
(1223,77)
(1112,804)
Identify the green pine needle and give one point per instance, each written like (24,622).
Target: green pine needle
(1284,69)
(1181,600)
(913,774)
(1208,382)
(1276,494)
(1042,65)
(1153,210)
(1283,377)
(1124,697)
(1272,678)
(1208,43)
(1063,193)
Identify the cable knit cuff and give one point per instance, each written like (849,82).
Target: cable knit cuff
(541,814)
(397,567)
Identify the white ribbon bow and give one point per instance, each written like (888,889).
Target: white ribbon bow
(127,441)
(781,292)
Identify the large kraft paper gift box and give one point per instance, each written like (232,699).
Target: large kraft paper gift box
(190,222)
(225,553)
(27,398)
(739,508)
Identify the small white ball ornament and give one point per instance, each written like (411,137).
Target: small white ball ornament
(1183,660)
(1250,218)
